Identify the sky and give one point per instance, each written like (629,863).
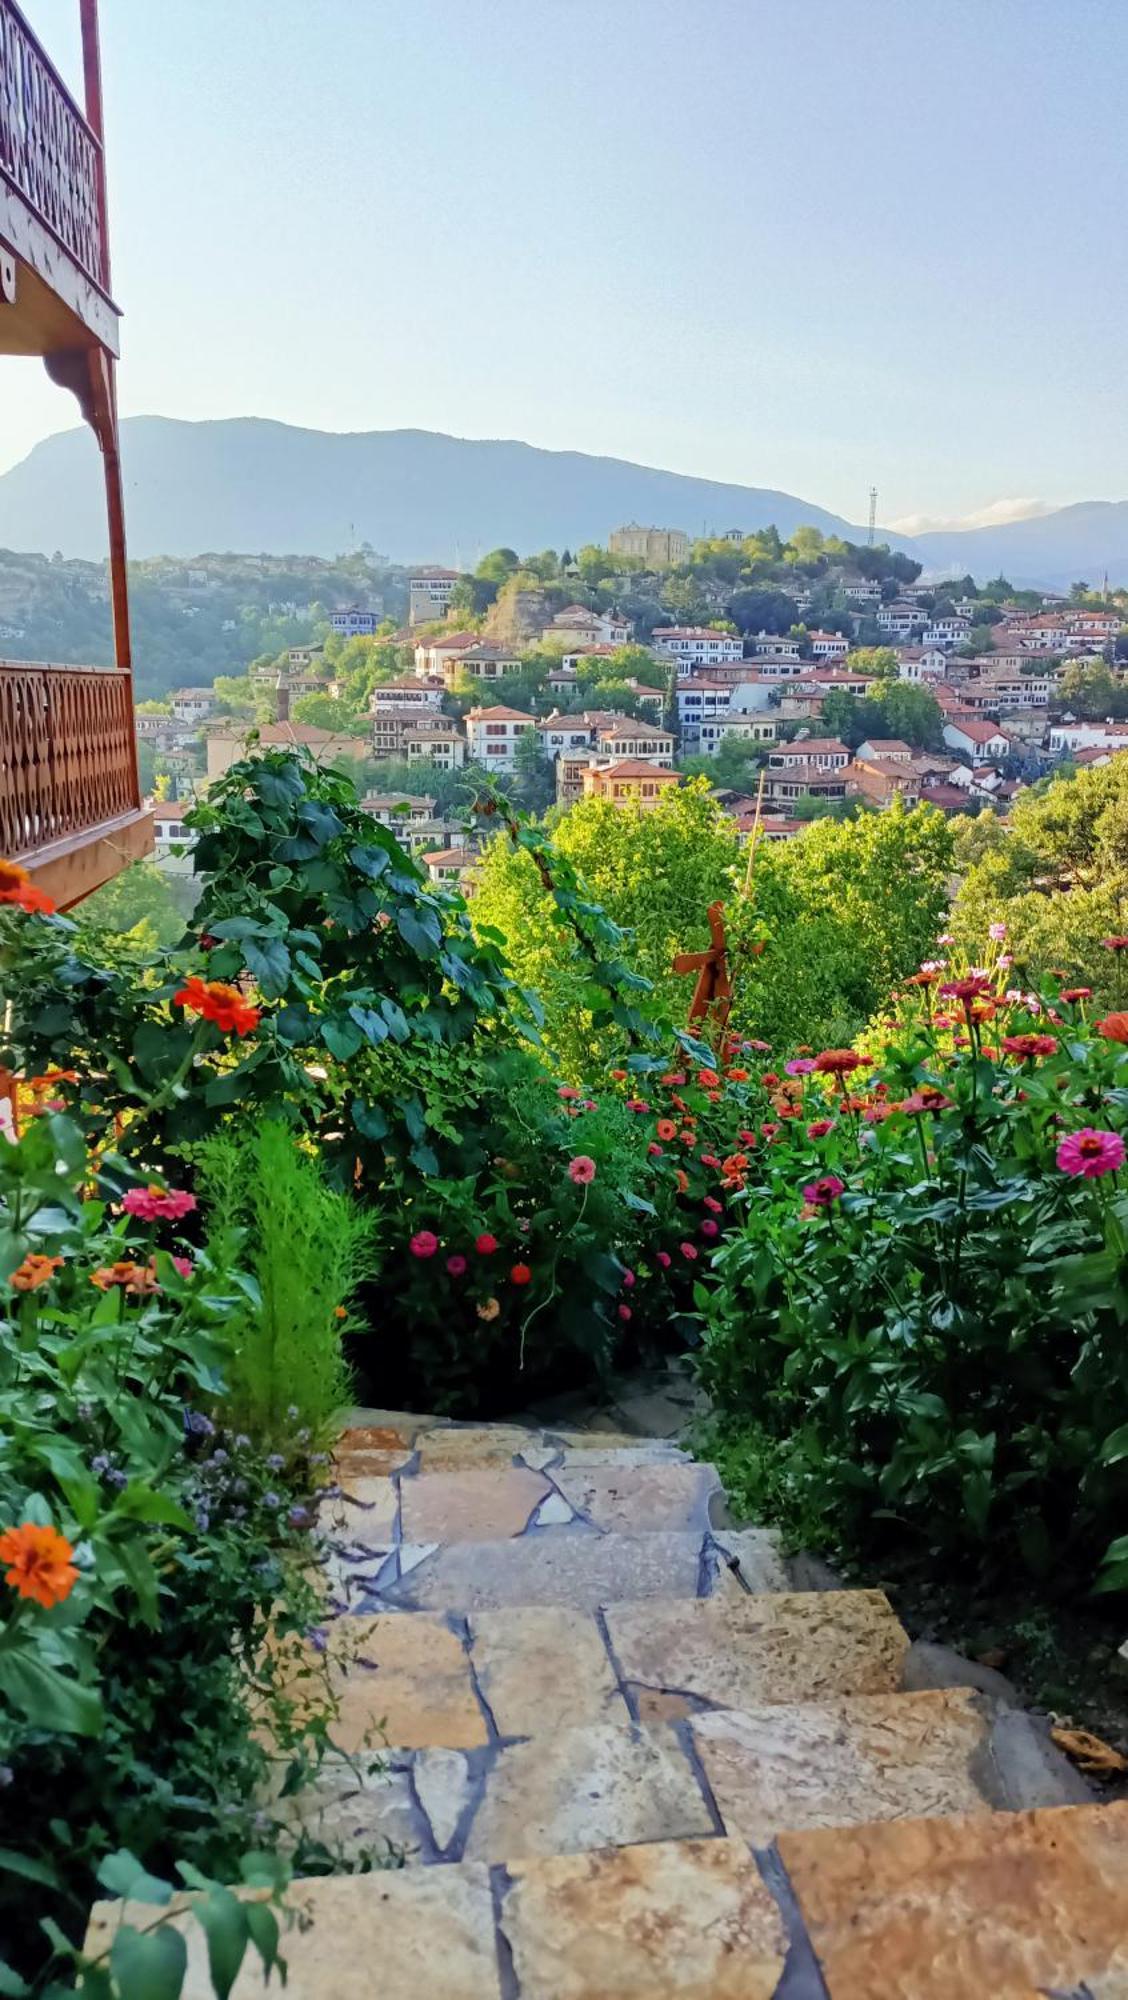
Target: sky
(817,247)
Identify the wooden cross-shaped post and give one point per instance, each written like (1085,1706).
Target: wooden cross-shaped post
(712,996)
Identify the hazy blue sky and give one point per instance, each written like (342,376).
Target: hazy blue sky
(808,246)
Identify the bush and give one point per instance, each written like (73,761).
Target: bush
(919,1329)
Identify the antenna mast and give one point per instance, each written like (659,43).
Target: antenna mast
(872,515)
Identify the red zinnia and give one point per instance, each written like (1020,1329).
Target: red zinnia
(966,989)
(485,1244)
(1029,1046)
(520,1274)
(823,1192)
(820,1128)
(214,1001)
(1114,1027)
(840,1062)
(1115,943)
(1075,993)
(17,887)
(689,1251)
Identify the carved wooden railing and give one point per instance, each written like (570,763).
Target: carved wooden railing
(67,753)
(47,150)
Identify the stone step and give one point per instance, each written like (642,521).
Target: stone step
(417,1681)
(495,1503)
(369,1569)
(426,1444)
(973,1907)
(692,1920)
(751,1774)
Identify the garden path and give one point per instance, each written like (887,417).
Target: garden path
(630,1760)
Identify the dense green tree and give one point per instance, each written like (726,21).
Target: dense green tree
(141,909)
(879,660)
(1090,689)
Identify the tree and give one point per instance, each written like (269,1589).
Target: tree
(141,910)
(1090,689)
(326,711)
(534,780)
(654,872)
(879,660)
(498,566)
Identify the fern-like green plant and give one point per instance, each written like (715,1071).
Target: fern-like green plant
(308,1247)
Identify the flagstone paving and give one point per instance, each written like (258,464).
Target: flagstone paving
(613,1753)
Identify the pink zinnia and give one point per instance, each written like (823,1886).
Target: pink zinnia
(710,1201)
(688,1250)
(663,1258)
(155,1204)
(624,1312)
(709,1227)
(424,1243)
(628,1279)
(184,1265)
(820,1128)
(654,1150)
(800,1066)
(581,1170)
(997,932)
(1091,1153)
(456,1265)
(823,1192)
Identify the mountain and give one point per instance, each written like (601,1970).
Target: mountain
(246,485)
(1053,550)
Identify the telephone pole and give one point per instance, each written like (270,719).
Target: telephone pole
(872,515)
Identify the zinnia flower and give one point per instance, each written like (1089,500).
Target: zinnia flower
(1115,943)
(800,1066)
(820,1128)
(840,1062)
(927,1098)
(966,989)
(153,1203)
(624,1312)
(485,1244)
(1074,993)
(40,1565)
(1114,1027)
(488,1309)
(137,1279)
(663,1258)
(654,1151)
(710,1200)
(823,1192)
(424,1243)
(33,1272)
(581,1170)
(709,1227)
(708,1079)
(666,1129)
(17,888)
(456,1265)
(689,1251)
(1091,1153)
(225,1005)
(738,1075)
(520,1274)
(997,932)
(1029,1046)
(682,1179)
(619,1075)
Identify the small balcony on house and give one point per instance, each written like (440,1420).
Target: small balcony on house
(70,804)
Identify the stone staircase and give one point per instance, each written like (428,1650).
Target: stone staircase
(623,1758)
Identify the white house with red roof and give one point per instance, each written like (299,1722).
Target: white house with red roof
(829,645)
(978,742)
(493,734)
(697,645)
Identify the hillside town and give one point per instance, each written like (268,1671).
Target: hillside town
(863,684)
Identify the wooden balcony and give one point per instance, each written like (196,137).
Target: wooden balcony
(70,804)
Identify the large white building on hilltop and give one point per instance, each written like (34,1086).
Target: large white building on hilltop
(659,548)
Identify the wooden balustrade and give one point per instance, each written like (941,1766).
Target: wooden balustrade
(67,753)
(48,152)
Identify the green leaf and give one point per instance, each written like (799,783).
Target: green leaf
(341,1037)
(149,1966)
(123,1875)
(269,964)
(421,931)
(48,1698)
(144,1503)
(370,1121)
(1115,1446)
(371,861)
(32,1870)
(224,1923)
(262,1925)
(12,1987)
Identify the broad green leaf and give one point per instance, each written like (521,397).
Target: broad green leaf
(31,1868)
(123,1875)
(48,1698)
(224,1923)
(149,1965)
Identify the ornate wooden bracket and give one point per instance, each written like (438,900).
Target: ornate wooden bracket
(88,372)
(712,996)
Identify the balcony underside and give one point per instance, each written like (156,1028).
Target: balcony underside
(72,868)
(48,305)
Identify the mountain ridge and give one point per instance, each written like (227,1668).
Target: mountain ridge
(254,485)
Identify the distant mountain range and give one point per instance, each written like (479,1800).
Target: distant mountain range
(250,486)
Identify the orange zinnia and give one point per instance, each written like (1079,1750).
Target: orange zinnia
(1114,1027)
(666,1129)
(16,886)
(39,1561)
(135,1278)
(35,1270)
(225,1005)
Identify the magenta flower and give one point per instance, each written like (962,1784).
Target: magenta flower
(689,1251)
(1091,1153)
(824,1192)
(581,1170)
(709,1227)
(624,1312)
(710,1201)
(184,1265)
(156,1204)
(424,1243)
(456,1265)
(997,932)
(628,1279)
(663,1258)
(800,1066)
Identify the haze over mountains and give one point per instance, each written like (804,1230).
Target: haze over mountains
(248,485)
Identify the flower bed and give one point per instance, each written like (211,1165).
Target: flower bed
(920,1327)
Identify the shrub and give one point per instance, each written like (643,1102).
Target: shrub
(920,1324)
(308,1247)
